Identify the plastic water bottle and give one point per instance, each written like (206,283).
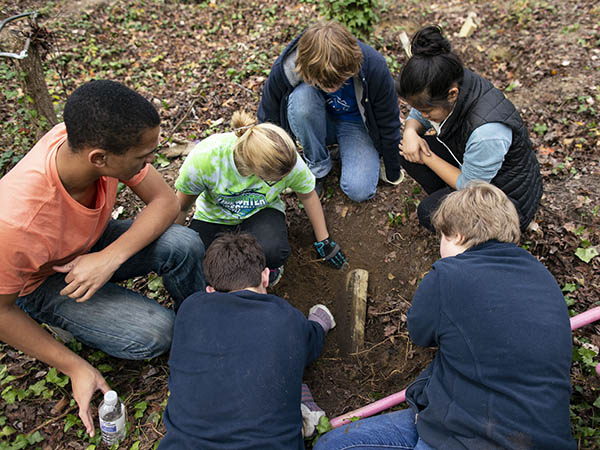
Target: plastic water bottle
(112,418)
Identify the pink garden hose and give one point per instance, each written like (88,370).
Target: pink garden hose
(371,409)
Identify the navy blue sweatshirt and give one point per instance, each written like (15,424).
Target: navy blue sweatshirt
(236,368)
(376,98)
(500,378)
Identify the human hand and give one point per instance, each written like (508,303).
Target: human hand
(311,412)
(414,147)
(86,274)
(331,252)
(321,314)
(85,381)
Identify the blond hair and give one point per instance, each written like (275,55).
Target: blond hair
(328,55)
(264,150)
(478,212)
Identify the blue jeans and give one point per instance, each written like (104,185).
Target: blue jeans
(117,320)
(315,128)
(393,430)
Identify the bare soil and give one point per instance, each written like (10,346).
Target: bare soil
(200,61)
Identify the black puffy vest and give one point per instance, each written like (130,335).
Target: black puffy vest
(479,102)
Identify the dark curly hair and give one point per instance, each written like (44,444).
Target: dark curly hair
(431,71)
(108,115)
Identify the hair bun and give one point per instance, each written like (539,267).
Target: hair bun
(430,42)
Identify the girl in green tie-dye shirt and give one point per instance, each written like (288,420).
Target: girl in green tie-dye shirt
(235,180)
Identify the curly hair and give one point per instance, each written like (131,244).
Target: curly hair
(107,115)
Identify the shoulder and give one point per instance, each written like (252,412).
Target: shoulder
(492,130)
(373,61)
(370,53)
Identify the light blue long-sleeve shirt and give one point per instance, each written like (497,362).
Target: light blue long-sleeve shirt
(484,153)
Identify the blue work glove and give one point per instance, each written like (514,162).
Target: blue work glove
(330,252)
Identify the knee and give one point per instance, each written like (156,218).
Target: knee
(358,192)
(424,212)
(302,102)
(155,341)
(276,252)
(184,241)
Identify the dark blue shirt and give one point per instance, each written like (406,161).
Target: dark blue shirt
(342,103)
(236,368)
(501,375)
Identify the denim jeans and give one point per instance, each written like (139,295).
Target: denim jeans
(393,430)
(267,226)
(116,320)
(315,128)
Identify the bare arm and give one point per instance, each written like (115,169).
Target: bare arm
(20,331)
(88,273)
(443,169)
(314,211)
(412,142)
(185,203)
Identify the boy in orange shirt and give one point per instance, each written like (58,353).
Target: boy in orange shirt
(61,253)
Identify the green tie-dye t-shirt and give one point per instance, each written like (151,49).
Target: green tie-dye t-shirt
(225,196)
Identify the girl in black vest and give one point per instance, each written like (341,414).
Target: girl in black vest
(479,135)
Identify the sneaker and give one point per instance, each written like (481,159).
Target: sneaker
(275,275)
(320,187)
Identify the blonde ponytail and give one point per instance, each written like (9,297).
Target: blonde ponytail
(241,121)
(264,150)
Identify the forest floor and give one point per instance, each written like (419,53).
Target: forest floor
(199,61)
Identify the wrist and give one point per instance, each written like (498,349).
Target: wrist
(114,256)
(412,131)
(322,236)
(74,365)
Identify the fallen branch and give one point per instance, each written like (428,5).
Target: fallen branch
(376,345)
(54,419)
(178,124)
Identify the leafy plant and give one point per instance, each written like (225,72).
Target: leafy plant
(322,427)
(139,409)
(586,252)
(357,15)
(395,219)
(585,432)
(540,128)
(22,441)
(54,377)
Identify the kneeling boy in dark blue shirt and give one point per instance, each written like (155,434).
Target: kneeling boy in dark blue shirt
(238,357)
(500,378)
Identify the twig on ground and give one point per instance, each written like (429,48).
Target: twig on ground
(385,313)
(54,419)
(178,124)
(375,346)
(245,88)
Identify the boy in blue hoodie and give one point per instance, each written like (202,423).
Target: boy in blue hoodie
(328,88)
(500,378)
(238,357)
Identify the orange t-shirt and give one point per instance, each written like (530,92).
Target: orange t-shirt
(41,225)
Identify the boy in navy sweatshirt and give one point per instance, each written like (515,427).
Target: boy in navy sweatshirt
(500,378)
(238,357)
(327,87)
